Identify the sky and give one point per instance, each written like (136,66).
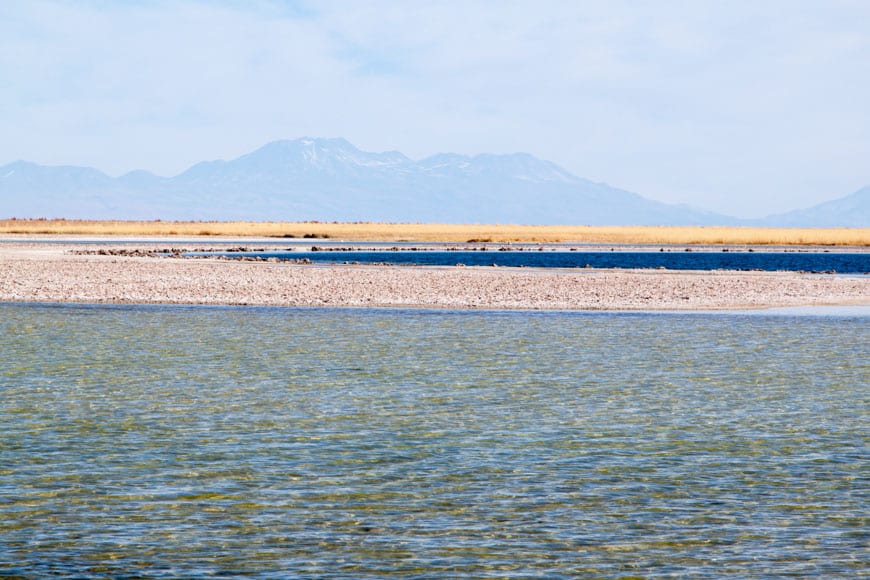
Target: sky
(744,107)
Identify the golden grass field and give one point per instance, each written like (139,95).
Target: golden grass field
(367,231)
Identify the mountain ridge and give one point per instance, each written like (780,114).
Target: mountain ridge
(848,211)
(332,180)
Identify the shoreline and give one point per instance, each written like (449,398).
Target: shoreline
(46,271)
(232,243)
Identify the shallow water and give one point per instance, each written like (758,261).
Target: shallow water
(261,442)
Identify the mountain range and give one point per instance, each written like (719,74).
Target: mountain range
(331,180)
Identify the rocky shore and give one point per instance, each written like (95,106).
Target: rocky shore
(59,272)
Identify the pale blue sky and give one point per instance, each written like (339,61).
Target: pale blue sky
(743,107)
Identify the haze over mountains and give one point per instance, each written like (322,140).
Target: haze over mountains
(330,179)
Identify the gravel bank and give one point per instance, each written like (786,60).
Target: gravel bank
(51,273)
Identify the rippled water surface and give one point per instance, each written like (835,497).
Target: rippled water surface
(257,442)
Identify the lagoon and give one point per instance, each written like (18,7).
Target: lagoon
(166,441)
(843,262)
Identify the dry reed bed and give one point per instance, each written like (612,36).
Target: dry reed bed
(681,235)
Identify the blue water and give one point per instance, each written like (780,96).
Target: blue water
(845,263)
(205,442)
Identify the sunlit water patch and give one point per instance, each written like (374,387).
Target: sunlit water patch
(260,442)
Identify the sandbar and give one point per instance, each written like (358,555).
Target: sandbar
(56,272)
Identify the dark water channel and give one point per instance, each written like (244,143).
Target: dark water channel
(839,262)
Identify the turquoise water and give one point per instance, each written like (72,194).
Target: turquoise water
(262,442)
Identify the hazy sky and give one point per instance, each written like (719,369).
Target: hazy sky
(743,107)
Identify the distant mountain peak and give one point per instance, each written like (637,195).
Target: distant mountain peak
(326,142)
(851,211)
(308,153)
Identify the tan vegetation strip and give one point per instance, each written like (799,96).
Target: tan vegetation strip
(31,273)
(451,232)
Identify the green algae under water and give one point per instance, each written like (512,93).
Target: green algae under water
(268,442)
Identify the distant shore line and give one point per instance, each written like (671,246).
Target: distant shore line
(426,232)
(55,271)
